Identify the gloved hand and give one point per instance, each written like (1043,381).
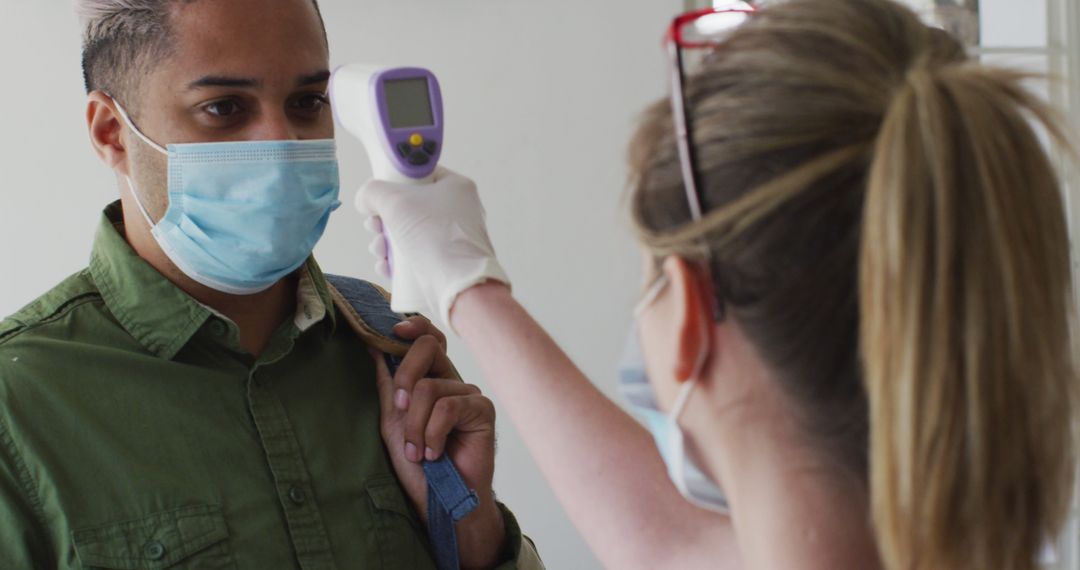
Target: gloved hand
(431,240)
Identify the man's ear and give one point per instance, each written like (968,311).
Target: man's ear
(691,295)
(106,127)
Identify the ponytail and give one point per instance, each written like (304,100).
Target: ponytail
(965,337)
(884,225)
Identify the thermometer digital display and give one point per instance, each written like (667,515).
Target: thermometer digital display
(397,113)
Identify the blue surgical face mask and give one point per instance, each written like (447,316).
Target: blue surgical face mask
(634,384)
(243,215)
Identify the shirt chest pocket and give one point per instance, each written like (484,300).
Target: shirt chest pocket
(192,537)
(401,544)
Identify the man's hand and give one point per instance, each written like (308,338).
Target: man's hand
(428,411)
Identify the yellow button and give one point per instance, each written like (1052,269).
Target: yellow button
(416,140)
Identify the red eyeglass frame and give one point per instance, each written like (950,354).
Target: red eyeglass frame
(675,43)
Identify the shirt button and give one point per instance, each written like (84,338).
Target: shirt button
(297,495)
(154,550)
(217,328)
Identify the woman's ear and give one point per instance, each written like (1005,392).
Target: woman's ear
(691,305)
(105,127)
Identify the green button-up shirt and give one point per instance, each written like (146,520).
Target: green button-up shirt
(135,433)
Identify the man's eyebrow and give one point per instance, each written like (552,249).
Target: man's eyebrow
(314,79)
(222,81)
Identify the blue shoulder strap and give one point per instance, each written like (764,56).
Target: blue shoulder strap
(449,499)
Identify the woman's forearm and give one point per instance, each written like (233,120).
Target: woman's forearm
(601,463)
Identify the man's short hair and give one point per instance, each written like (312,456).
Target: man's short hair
(123,39)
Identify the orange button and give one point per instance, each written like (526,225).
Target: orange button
(416,140)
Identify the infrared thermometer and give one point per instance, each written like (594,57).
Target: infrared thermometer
(397,113)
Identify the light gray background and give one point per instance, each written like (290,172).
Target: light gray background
(541,100)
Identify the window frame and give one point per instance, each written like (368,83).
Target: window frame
(1066,37)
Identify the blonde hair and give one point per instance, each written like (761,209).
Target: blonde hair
(883,222)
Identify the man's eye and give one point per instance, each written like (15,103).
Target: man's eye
(224,109)
(311,103)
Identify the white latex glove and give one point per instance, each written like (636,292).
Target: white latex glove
(431,240)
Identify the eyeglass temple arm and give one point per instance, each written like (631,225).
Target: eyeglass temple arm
(682,132)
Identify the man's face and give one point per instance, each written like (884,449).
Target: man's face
(242,70)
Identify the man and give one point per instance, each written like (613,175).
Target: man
(193,398)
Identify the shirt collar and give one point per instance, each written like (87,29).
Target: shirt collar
(157,313)
(313,300)
(310,307)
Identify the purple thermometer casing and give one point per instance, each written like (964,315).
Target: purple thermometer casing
(419,161)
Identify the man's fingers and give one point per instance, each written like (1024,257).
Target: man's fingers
(425,395)
(455,413)
(417,326)
(425,359)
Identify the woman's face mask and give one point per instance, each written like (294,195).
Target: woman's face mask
(634,383)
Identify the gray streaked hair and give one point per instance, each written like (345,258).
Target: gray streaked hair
(122,39)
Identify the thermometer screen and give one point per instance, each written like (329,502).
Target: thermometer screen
(408,102)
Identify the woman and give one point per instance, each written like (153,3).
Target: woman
(864,337)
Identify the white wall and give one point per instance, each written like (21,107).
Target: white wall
(541,97)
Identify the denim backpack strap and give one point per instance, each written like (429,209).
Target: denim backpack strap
(367,309)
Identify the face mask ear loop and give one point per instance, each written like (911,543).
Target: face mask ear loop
(134,129)
(138,202)
(131,125)
(651,295)
(684,396)
(681,401)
